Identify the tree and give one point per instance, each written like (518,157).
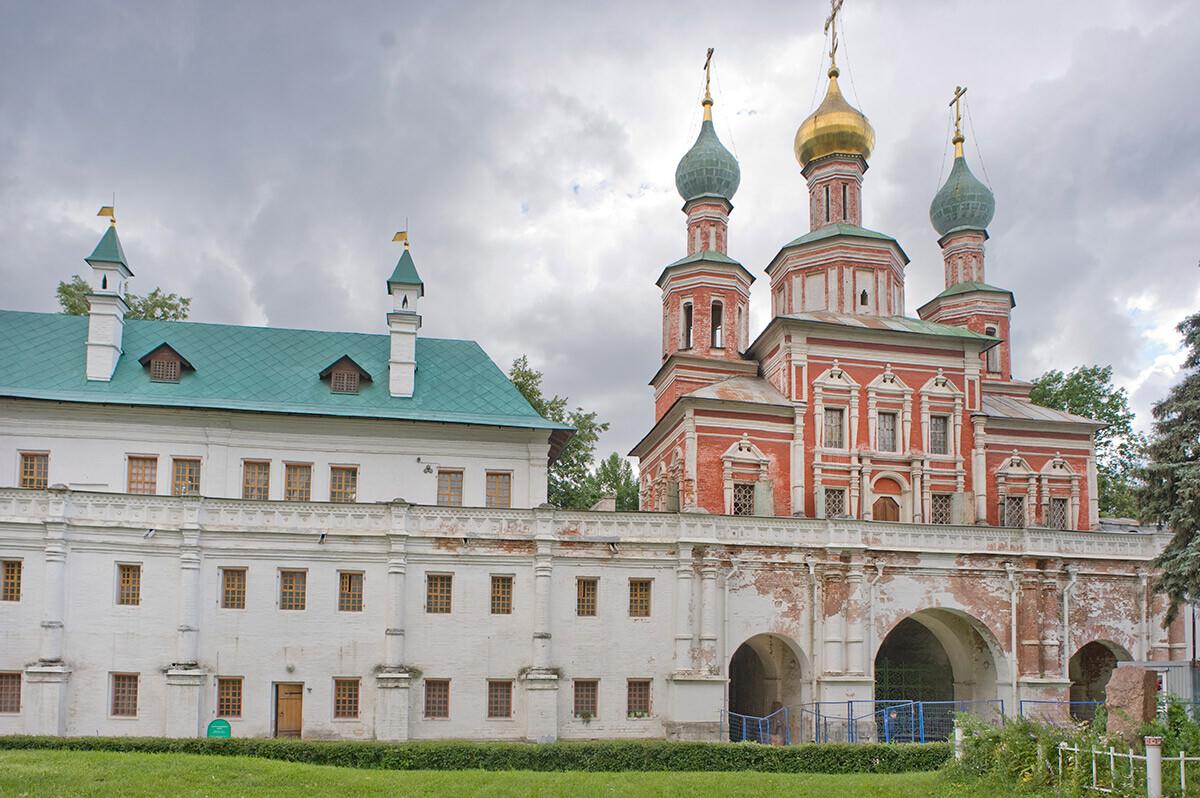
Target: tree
(154,306)
(569,477)
(1088,391)
(1170,490)
(614,475)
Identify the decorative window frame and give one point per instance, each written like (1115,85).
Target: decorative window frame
(941,397)
(887,393)
(1016,478)
(1059,480)
(743,462)
(835,388)
(904,498)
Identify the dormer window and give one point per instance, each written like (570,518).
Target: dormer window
(345,376)
(165,364)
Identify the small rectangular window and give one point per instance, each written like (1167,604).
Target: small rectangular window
(939,437)
(887,432)
(449,488)
(35,470)
(164,369)
(585,698)
(344,381)
(233,588)
(143,475)
(499,489)
(845,202)
(343,484)
(499,699)
(11,591)
(256,479)
(125,695)
(350,591)
(1059,512)
(637,698)
(686,332)
(718,326)
(292,589)
(129,585)
(1012,511)
(940,508)
(834,426)
(437,698)
(297,482)
(639,598)
(229,697)
(345,698)
(502,587)
(437,593)
(585,601)
(835,502)
(185,477)
(10,692)
(743,498)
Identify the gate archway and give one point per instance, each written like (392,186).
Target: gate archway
(1090,669)
(765,673)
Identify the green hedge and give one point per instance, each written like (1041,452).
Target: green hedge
(594,756)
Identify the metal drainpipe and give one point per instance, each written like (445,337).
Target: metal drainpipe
(1011,570)
(1072,575)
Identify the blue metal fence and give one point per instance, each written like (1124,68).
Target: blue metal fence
(772,729)
(890,721)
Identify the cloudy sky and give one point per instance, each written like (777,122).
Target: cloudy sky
(263,154)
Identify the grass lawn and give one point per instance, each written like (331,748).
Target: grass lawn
(97,773)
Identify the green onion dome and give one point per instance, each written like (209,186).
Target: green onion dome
(963,202)
(708,168)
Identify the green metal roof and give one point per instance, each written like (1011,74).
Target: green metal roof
(704,256)
(109,249)
(406,272)
(831,230)
(895,323)
(963,288)
(258,369)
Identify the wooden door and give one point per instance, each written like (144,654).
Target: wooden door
(885,509)
(289,703)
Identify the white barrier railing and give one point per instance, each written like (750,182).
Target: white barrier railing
(1111,770)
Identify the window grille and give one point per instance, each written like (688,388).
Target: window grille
(292,589)
(585,698)
(229,698)
(344,381)
(639,598)
(887,432)
(939,508)
(35,470)
(256,480)
(437,698)
(585,597)
(297,483)
(10,692)
(835,502)
(143,475)
(345,698)
(350,591)
(743,498)
(437,593)
(502,587)
(499,489)
(343,484)
(11,591)
(1013,512)
(185,479)
(125,695)
(834,425)
(164,369)
(449,490)
(233,588)
(939,427)
(499,699)
(129,585)
(1059,511)
(637,698)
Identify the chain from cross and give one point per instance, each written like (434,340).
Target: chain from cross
(959,91)
(831,23)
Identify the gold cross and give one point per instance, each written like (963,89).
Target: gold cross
(831,22)
(707,70)
(959,91)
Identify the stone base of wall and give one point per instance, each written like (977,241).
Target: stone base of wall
(694,731)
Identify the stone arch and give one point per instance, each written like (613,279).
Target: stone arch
(978,668)
(899,492)
(1090,668)
(767,672)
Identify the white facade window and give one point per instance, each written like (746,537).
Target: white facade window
(835,424)
(939,437)
(887,432)
(743,498)
(1059,512)
(835,502)
(1012,512)
(940,508)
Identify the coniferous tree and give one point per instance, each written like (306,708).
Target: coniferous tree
(1170,494)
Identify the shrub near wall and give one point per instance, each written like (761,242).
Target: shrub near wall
(591,756)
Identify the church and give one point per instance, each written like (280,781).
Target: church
(345,536)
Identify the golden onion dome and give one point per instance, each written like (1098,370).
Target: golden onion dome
(835,127)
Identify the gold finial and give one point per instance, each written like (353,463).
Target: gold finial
(958,139)
(401,236)
(707,101)
(108,211)
(831,23)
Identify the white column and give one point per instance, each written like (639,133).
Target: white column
(394,635)
(543,571)
(708,613)
(853,613)
(979,472)
(189,597)
(684,583)
(393,680)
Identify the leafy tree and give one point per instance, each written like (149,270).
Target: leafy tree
(1170,490)
(569,478)
(614,475)
(1088,391)
(154,306)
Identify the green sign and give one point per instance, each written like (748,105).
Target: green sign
(219,728)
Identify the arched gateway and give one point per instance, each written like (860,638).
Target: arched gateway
(765,674)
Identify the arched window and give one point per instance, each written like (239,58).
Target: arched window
(827,203)
(862,299)
(993,354)
(845,202)
(685,332)
(718,326)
